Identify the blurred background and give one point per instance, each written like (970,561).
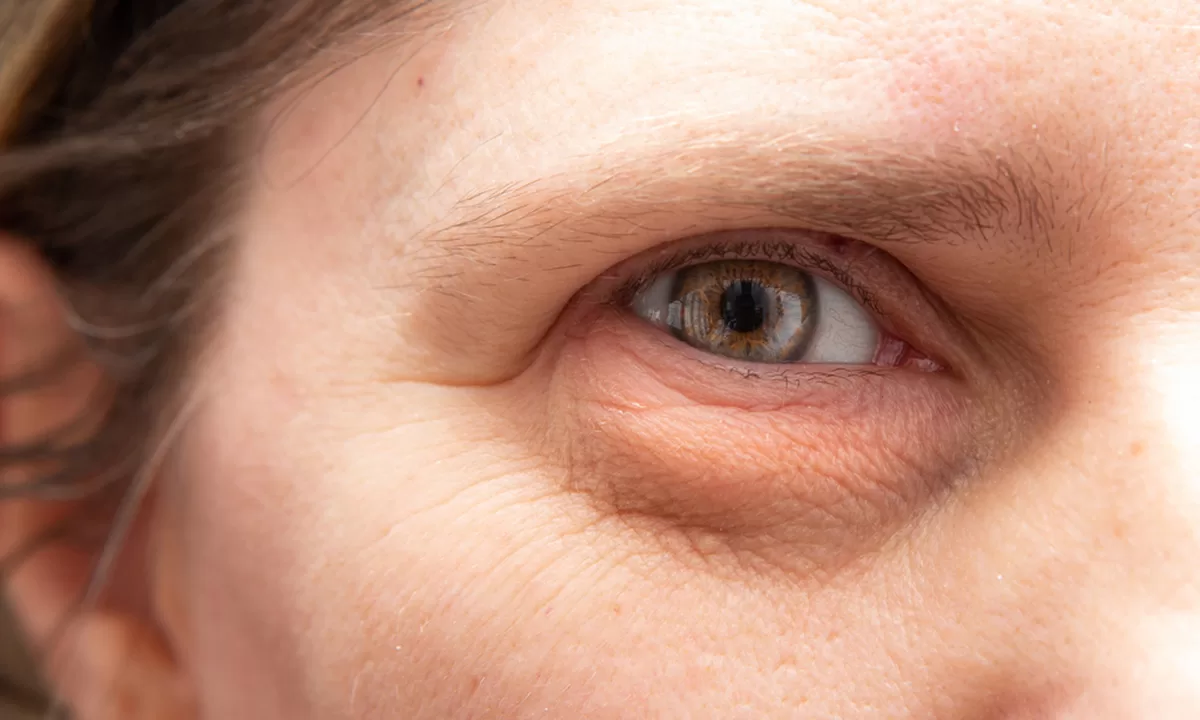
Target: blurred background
(19,697)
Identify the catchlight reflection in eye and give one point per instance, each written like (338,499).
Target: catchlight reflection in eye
(760,311)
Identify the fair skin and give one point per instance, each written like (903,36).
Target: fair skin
(431,469)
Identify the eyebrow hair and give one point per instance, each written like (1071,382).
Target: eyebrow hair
(503,261)
(946,195)
(490,275)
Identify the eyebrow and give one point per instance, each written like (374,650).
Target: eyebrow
(499,265)
(947,195)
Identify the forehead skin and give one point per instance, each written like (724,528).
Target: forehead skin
(1094,102)
(372,509)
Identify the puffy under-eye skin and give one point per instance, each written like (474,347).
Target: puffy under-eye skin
(756,454)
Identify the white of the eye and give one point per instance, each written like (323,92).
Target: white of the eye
(845,333)
(652,303)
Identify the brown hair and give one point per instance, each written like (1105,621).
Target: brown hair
(119,159)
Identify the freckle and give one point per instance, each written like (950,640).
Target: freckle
(833,635)
(1136,449)
(616,609)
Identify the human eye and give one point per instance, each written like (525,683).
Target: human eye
(760,311)
(770,298)
(763,381)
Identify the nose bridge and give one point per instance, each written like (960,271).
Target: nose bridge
(1166,678)
(1149,460)
(1148,669)
(1150,451)
(1136,373)
(1172,456)
(1175,374)
(1163,399)
(1114,485)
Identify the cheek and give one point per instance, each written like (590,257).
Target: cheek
(597,537)
(327,578)
(236,567)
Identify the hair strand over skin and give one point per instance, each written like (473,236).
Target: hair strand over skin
(118,168)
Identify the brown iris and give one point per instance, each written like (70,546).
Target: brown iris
(744,309)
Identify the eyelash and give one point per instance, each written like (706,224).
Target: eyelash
(806,258)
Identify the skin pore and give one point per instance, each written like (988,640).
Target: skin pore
(433,466)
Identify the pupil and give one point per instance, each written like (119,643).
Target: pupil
(742,306)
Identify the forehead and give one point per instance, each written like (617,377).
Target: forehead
(933,66)
(492,141)
(570,79)
(509,94)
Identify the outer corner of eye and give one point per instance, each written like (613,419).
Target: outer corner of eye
(652,303)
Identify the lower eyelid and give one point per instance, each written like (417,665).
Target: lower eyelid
(706,379)
(705,445)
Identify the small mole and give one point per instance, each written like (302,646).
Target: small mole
(421,82)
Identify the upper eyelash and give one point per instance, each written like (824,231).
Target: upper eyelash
(793,253)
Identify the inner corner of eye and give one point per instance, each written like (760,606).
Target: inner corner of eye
(652,302)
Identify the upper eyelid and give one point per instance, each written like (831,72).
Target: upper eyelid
(567,228)
(901,307)
(530,245)
(790,250)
